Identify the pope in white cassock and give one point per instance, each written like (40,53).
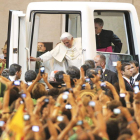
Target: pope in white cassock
(66,53)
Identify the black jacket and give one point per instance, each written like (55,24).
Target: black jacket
(138,78)
(128,86)
(105,38)
(110,76)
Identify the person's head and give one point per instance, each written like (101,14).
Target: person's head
(67,39)
(59,76)
(124,137)
(15,69)
(85,67)
(134,67)
(113,104)
(30,75)
(91,63)
(98,25)
(41,47)
(100,60)
(39,90)
(74,73)
(112,129)
(126,70)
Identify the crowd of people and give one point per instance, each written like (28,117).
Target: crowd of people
(90,103)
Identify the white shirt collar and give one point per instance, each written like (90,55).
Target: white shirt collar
(135,77)
(12,78)
(128,80)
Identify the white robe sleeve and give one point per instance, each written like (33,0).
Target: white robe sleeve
(46,56)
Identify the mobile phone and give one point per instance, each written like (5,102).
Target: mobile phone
(21,102)
(35,128)
(116,111)
(136,89)
(114,64)
(46,100)
(79,122)
(66,92)
(42,69)
(60,118)
(65,96)
(16,83)
(68,106)
(26,117)
(29,83)
(122,94)
(83,86)
(2,123)
(103,84)
(136,83)
(91,103)
(23,95)
(87,80)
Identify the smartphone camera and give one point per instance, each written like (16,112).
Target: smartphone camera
(136,89)
(2,123)
(116,111)
(16,83)
(23,95)
(60,118)
(114,64)
(79,122)
(91,103)
(26,117)
(103,84)
(66,92)
(35,128)
(87,80)
(29,83)
(42,69)
(68,106)
(122,95)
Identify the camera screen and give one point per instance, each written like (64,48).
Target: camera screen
(42,69)
(91,103)
(68,106)
(116,111)
(35,128)
(17,83)
(114,63)
(103,84)
(2,123)
(29,83)
(79,122)
(136,89)
(122,94)
(87,80)
(23,95)
(46,100)
(65,96)
(60,118)
(21,102)
(26,117)
(60,76)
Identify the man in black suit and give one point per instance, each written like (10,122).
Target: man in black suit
(108,75)
(135,71)
(127,74)
(104,38)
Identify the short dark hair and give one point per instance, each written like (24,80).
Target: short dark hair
(124,64)
(30,75)
(99,21)
(74,72)
(134,62)
(91,63)
(85,67)
(14,68)
(56,76)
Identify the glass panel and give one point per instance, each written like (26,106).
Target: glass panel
(112,57)
(113,21)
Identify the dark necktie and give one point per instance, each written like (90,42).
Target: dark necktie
(132,81)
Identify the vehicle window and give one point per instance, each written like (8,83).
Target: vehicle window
(46,31)
(113,21)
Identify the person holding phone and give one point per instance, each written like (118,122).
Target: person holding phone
(68,52)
